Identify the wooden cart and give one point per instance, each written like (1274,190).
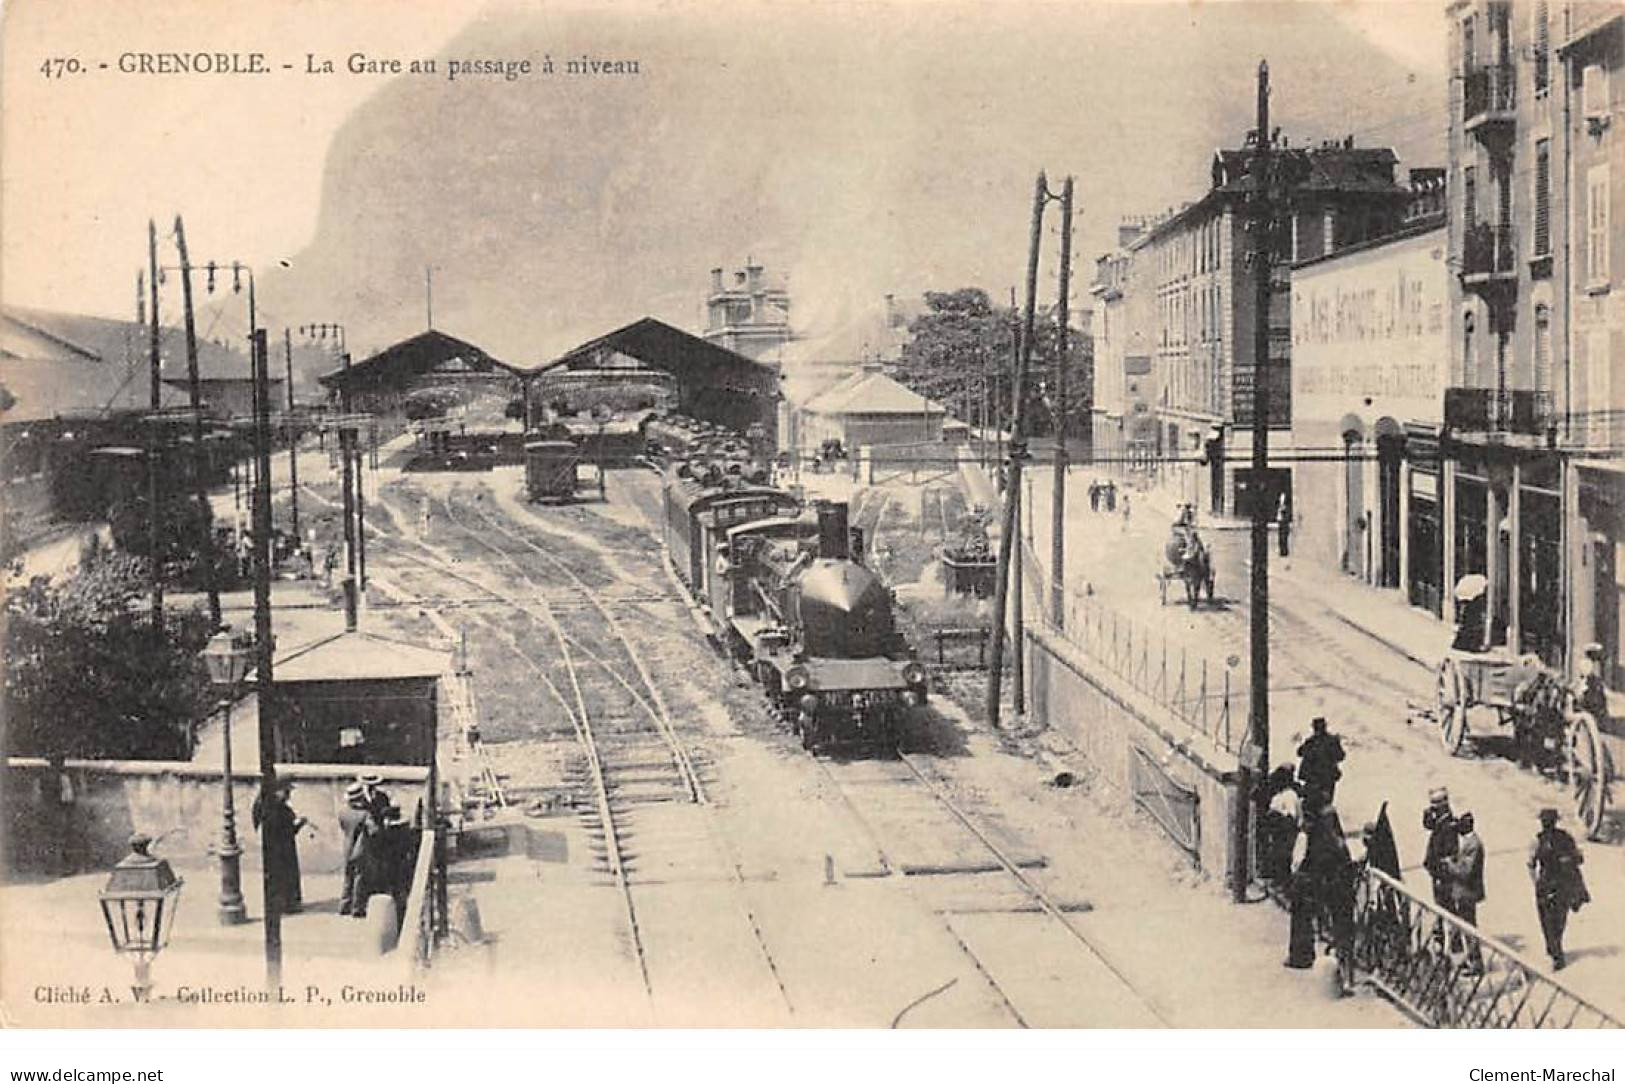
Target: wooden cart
(1522,691)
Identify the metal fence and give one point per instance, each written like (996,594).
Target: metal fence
(1194,690)
(1448,973)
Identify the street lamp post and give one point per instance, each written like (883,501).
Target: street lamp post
(227,658)
(138,904)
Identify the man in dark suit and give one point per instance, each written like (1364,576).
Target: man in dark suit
(354,820)
(1554,866)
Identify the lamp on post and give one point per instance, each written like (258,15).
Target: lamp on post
(227,657)
(138,905)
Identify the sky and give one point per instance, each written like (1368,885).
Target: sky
(860,148)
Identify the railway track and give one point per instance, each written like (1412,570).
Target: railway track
(648,818)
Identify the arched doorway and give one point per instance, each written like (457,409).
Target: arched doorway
(1353,542)
(1390,451)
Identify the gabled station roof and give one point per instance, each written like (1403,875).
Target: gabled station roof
(426,352)
(653,342)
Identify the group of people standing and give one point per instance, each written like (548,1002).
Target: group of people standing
(1455,862)
(379,847)
(1103,498)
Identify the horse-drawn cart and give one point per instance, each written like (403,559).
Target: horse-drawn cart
(1185,560)
(1550,728)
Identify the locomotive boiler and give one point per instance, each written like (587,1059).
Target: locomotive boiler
(814,626)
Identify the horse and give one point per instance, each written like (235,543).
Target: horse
(1196,569)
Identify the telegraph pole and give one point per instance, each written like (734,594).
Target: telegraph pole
(155,560)
(293,436)
(195,398)
(264,642)
(1012,491)
(1057,600)
(1255,761)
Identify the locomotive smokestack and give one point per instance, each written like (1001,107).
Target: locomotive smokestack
(833,540)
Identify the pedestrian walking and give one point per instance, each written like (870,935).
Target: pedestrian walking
(1467,873)
(1094,496)
(280,826)
(1283,528)
(1127,508)
(1554,867)
(1443,837)
(1318,758)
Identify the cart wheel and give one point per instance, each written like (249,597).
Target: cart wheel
(1588,773)
(1450,707)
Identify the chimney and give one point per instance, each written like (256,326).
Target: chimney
(891,310)
(739,279)
(1127,234)
(716,280)
(753,273)
(833,536)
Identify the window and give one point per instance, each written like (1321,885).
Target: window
(1468,361)
(1543,348)
(1468,44)
(1596,258)
(1541,47)
(1543,197)
(1469,196)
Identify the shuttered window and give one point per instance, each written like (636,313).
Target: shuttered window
(1542,47)
(1543,348)
(1597,247)
(1469,195)
(1543,197)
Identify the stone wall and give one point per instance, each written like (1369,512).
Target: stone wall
(1107,720)
(80,818)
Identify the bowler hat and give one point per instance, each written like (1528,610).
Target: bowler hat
(1548,815)
(1438,796)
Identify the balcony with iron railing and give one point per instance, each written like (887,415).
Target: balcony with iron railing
(1517,411)
(1489,100)
(1488,258)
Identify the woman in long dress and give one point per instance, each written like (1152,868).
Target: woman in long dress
(280,824)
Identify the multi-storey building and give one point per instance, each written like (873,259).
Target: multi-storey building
(1195,267)
(1370,360)
(1532,485)
(748,316)
(1124,432)
(1589,56)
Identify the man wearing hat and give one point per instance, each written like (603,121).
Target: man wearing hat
(354,820)
(1318,760)
(1593,692)
(378,802)
(1443,837)
(1554,867)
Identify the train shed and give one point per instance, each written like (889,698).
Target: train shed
(714,384)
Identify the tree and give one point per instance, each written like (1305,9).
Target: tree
(87,675)
(963,333)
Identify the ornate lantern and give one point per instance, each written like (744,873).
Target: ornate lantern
(139,905)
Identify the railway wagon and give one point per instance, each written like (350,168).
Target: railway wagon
(782,593)
(550,469)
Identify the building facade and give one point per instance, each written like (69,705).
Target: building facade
(1195,276)
(1370,360)
(1590,55)
(749,316)
(1531,416)
(1124,432)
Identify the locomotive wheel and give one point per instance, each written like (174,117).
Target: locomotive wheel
(1450,707)
(1588,773)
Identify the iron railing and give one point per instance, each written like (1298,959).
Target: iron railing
(1488,250)
(1194,691)
(1491,410)
(1489,91)
(1448,973)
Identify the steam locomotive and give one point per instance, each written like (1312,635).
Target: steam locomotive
(782,591)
